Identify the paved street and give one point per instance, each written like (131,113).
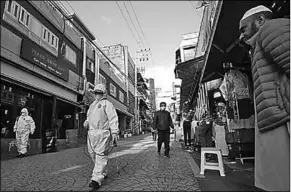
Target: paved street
(70,170)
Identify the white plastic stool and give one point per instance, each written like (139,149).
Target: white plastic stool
(211,166)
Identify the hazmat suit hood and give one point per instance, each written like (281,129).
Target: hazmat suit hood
(24,112)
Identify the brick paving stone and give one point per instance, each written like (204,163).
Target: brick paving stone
(141,169)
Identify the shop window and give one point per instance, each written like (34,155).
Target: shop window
(65,114)
(71,55)
(112,90)
(102,79)
(121,96)
(7,120)
(24,17)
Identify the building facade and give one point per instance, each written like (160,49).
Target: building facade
(48,62)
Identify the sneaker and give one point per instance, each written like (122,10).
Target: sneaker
(19,155)
(22,155)
(168,156)
(94,184)
(159,153)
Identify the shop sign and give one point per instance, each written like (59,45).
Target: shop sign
(39,56)
(7,96)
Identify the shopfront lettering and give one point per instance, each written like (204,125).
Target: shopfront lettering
(39,56)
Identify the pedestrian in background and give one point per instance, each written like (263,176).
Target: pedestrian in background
(187,128)
(269,40)
(102,125)
(162,123)
(154,133)
(24,125)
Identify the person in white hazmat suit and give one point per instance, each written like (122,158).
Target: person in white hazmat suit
(102,125)
(24,125)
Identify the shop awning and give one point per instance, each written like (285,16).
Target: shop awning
(143,103)
(225,46)
(189,72)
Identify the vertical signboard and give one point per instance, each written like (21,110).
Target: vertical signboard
(206,27)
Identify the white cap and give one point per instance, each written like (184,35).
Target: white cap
(255,10)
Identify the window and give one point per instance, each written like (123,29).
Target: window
(102,79)
(90,65)
(112,90)
(121,96)
(9,6)
(16,9)
(24,17)
(50,38)
(71,55)
(12,8)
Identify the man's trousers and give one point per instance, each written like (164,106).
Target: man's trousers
(164,137)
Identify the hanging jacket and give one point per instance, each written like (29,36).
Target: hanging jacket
(271,73)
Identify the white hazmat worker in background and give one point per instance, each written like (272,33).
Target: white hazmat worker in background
(102,125)
(24,125)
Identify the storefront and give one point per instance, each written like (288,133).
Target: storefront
(232,103)
(40,105)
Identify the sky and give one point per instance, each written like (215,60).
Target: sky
(163,24)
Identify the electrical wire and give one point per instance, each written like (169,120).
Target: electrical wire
(126,22)
(139,23)
(94,44)
(76,13)
(195,10)
(133,23)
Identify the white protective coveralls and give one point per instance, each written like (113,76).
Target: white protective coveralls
(103,121)
(24,126)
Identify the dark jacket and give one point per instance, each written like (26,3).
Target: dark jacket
(271,72)
(163,121)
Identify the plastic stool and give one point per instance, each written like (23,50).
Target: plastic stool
(211,166)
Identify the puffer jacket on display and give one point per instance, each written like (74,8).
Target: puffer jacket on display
(271,73)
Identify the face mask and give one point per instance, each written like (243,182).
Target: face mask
(163,108)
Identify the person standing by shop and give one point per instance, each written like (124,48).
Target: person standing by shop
(154,134)
(102,125)
(162,123)
(269,40)
(24,125)
(187,128)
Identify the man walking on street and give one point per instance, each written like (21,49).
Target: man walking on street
(270,53)
(24,125)
(162,123)
(102,125)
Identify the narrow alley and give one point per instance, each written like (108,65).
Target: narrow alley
(140,169)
